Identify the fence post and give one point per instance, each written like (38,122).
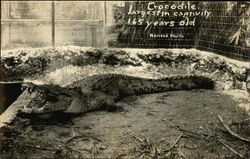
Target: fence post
(53,23)
(105,24)
(196,35)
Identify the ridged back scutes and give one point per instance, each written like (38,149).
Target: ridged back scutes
(104,80)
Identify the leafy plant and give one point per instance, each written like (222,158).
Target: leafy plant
(241,31)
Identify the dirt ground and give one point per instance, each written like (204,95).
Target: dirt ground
(170,125)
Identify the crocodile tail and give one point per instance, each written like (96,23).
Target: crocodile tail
(173,83)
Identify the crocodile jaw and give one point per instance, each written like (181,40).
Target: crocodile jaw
(40,105)
(75,107)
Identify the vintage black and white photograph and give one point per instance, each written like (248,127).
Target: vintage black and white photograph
(125,80)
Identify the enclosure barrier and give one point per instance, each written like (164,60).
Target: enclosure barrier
(219,27)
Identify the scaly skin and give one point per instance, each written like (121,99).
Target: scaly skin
(96,91)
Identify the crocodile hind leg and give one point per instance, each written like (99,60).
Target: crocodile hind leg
(111,106)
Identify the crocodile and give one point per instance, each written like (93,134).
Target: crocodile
(103,90)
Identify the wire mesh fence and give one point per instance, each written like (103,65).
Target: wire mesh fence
(225,31)
(142,25)
(219,27)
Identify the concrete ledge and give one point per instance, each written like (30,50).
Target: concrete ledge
(10,113)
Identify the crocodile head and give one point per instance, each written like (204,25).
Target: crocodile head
(46,99)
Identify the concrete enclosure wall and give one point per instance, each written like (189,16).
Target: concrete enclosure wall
(30,24)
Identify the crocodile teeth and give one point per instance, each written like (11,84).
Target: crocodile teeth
(29,90)
(23,88)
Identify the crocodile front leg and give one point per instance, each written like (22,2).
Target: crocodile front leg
(93,100)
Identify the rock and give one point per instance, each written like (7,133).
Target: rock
(248,84)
